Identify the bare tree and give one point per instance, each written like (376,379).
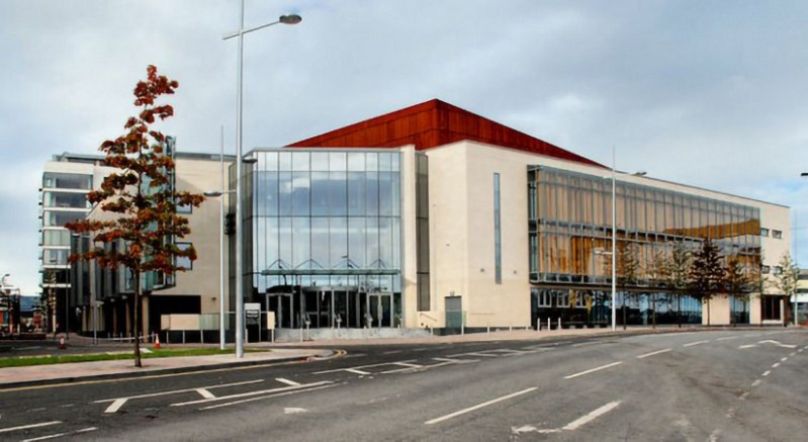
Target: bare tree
(788,278)
(707,274)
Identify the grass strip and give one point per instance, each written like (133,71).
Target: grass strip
(24,361)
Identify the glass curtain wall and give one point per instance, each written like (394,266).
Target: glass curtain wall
(570,224)
(324,226)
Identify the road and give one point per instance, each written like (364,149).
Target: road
(703,386)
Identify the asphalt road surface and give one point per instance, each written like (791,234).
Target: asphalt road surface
(744,385)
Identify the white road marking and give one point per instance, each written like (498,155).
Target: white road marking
(252,399)
(777,343)
(407,364)
(205,393)
(589,417)
(252,393)
(653,353)
(792,354)
(116,405)
(756,383)
(727,338)
(287,382)
(359,368)
(185,390)
(784,358)
(775,365)
(572,426)
(767,372)
(744,395)
(690,344)
(592,370)
(392,352)
(747,346)
(54,436)
(478,406)
(487,355)
(25,427)
(456,361)
(294,410)
(714,435)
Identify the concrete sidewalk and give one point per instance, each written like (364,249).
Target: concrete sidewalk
(512,335)
(12,377)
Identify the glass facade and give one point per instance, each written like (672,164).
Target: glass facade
(570,224)
(324,235)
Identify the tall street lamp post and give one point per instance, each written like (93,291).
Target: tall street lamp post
(613,252)
(292,19)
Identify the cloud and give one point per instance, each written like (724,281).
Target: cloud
(704,93)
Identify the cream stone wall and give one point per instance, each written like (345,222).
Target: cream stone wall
(409,289)
(198,176)
(462,231)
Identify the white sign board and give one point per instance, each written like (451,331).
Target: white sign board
(252,310)
(270,320)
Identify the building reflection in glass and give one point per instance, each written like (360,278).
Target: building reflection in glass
(570,219)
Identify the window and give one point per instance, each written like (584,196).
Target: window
(777,234)
(764,231)
(66,180)
(497,233)
(777,270)
(56,238)
(771,308)
(765,269)
(65,200)
(55,257)
(184,262)
(60,218)
(185,208)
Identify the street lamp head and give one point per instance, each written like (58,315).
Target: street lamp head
(250,160)
(212,193)
(640,173)
(804,174)
(291,19)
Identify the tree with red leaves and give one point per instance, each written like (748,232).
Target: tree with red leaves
(142,197)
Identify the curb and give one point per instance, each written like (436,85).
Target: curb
(165,371)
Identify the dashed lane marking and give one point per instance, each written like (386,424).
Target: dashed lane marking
(691,344)
(69,433)
(727,338)
(756,383)
(478,406)
(766,373)
(775,365)
(116,405)
(205,393)
(26,427)
(287,382)
(653,353)
(592,370)
(357,371)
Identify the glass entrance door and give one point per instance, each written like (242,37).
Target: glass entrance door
(380,309)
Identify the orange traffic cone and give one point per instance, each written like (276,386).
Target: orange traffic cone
(62,343)
(157,342)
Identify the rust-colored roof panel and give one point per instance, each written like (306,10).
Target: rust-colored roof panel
(430,124)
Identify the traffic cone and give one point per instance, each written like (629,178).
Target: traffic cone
(157,342)
(62,343)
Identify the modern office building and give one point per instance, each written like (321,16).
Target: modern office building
(432,216)
(99,299)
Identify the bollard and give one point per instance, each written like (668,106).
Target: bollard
(183,336)
(559,323)
(548,324)
(201,336)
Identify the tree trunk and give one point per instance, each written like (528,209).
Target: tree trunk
(136,317)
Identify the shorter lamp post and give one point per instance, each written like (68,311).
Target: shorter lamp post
(219,194)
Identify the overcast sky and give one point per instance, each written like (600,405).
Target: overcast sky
(709,93)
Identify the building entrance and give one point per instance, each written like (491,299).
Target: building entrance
(331,307)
